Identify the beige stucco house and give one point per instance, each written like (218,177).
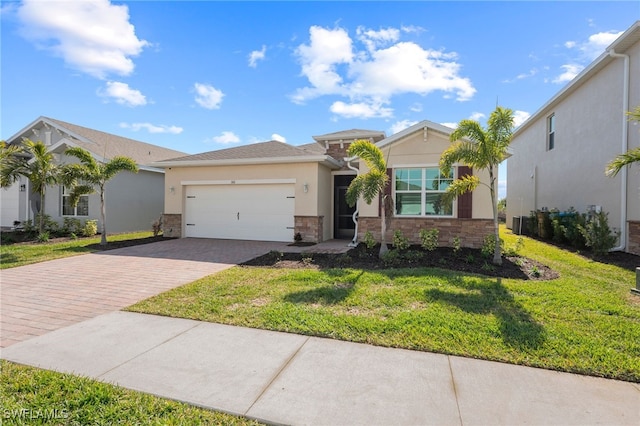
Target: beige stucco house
(272,190)
(133,200)
(560,152)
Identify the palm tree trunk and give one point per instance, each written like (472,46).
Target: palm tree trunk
(41,212)
(383,228)
(103,236)
(497,253)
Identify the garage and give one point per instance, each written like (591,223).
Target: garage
(252,211)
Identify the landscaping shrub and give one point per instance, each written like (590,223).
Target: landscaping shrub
(368,240)
(392,259)
(489,245)
(457,245)
(156,226)
(429,239)
(597,234)
(400,242)
(71,226)
(90,228)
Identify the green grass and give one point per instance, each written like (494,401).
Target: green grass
(33,396)
(586,321)
(12,255)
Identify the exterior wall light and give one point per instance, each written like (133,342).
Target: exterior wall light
(306,187)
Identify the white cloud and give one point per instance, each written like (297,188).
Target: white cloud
(416,107)
(93,36)
(277,137)
(597,43)
(383,67)
(152,128)
(570,71)
(450,125)
(520,117)
(226,138)
(208,96)
(257,55)
(399,126)
(477,116)
(360,110)
(123,94)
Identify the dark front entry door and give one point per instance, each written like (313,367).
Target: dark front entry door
(343,226)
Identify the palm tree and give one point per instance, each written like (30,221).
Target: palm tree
(480,149)
(7,154)
(90,176)
(33,161)
(370,184)
(629,157)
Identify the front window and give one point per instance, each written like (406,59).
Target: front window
(551,136)
(82,209)
(420,191)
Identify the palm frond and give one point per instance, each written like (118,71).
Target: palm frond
(460,152)
(468,129)
(461,186)
(84,156)
(78,191)
(621,161)
(117,165)
(369,152)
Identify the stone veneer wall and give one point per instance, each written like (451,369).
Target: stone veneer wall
(172,225)
(470,231)
(634,237)
(309,227)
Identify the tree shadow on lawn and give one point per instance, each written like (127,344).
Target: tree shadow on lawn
(327,295)
(517,326)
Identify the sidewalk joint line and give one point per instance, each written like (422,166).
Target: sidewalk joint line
(277,374)
(148,350)
(455,389)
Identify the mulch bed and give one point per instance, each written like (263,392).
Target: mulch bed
(466,260)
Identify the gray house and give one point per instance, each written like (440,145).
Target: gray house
(133,200)
(561,151)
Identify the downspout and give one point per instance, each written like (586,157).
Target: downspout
(625,148)
(354,241)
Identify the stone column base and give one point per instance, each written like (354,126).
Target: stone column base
(309,227)
(172,225)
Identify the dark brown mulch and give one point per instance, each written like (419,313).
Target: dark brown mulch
(466,260)
(22,238)
(127,243)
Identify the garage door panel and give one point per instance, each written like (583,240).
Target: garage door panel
(252,212)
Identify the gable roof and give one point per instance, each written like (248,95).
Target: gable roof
(349,135)
(257,153)
(101,144)
(630,37)
(423,125)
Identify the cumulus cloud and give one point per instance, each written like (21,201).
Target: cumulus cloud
(277,137)
(257,55)
(373,68)
(360,110)
(93,36)
(208,96)
(520,117)
(595,45)
(152,128)
(477,116)
(399,126)
(570,71)
(226,137)
(123,94)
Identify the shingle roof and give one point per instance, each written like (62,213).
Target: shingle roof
(350,135)
(107,145)
(270,149)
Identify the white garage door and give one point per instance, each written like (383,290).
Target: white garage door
(261,212)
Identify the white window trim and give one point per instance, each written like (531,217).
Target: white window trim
(423,193)
(550,132)
(75,209)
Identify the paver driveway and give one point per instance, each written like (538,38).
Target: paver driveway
(42,297)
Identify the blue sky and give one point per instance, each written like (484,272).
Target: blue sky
(204,75)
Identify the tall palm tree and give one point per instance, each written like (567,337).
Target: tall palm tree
(482,149)
(90,176)
(370,184)
(33,161)
(629,157)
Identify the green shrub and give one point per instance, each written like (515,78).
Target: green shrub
(71,225)
(368,240)
(429,239)
(392,258)
(489,245)
(43,237)
(532,224)
(457,245)
(414,256)
(515,249)
(400,242)
(598,235)
(90,228)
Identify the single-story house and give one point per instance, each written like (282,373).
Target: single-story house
(560,153)
(133,200)
(273,190)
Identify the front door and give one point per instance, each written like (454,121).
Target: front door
(343,226)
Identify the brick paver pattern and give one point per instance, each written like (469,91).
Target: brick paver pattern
(42,297)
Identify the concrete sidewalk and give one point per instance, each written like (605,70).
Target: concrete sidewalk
(292,379)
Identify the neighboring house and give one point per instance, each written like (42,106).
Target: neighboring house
(272,190)
(560,152)
(133,201)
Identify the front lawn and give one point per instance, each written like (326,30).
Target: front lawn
(38,397)
(12,255)
(586,321)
